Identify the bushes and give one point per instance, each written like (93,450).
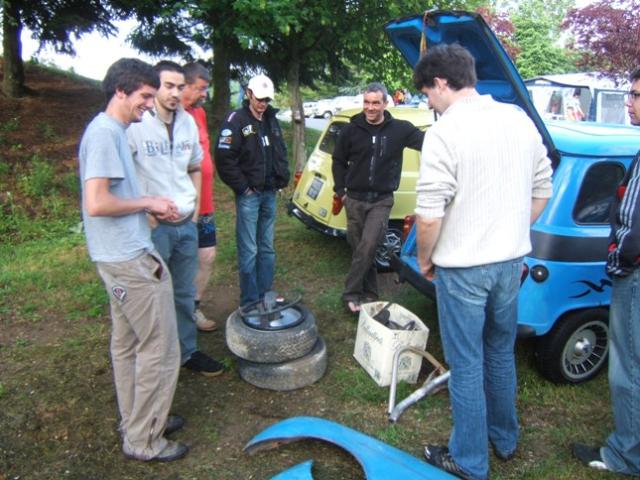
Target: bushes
(41,203)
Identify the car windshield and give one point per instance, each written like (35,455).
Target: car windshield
(577,103)
(328,142)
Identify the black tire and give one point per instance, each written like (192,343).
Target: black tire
(289,375)
(392,243)
(327,115)
(576,349)
(271,346)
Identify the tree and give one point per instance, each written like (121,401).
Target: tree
(53,22)
(167,27)
(502,26)
(304,42)
(336,39)
(607,34)
(537,30)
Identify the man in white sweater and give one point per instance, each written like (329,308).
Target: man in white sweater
(484,177)
(166,152)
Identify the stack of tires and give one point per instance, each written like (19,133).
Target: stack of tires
(279,353)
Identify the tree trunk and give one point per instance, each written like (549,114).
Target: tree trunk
(297,113)
(220,79)
(13,69)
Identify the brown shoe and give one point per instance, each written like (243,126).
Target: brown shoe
(172,451)
(203,323)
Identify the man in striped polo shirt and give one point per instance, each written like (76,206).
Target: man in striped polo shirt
(621,453)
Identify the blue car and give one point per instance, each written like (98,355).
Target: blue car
(565,292)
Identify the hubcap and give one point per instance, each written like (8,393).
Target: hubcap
(274,314)
(586,350)
(391,244)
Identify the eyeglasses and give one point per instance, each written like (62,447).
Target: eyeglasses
(631,96)
(267,100)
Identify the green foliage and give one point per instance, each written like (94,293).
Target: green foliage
(39,180)
(46,130)
(537,27)
(10,125)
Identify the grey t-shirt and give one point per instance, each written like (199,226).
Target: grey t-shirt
(104,153)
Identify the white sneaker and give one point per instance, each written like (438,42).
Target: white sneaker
(203,323)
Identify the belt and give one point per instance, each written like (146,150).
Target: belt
(178,223)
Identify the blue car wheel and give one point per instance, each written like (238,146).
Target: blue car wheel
(576,349)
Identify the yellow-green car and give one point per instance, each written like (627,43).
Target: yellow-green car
(313,200)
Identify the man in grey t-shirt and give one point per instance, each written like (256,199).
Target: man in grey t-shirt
(144,341)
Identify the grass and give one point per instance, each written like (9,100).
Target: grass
(57,402)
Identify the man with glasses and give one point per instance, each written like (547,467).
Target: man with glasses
(251,158)
(621,452)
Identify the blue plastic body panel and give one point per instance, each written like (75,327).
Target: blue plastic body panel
(301,471)
(378,460)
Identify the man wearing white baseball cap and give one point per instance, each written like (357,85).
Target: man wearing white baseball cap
(251,158)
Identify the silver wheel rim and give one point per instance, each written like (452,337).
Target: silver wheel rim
(392,244)
(586,350)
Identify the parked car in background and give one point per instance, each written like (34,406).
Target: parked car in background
(324,108)
(565,293)
(346,102)
(313,201)
(309,108)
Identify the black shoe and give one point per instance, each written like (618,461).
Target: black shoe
(590,456)
(502,456)
(204,364)
(439,456)
(174,423)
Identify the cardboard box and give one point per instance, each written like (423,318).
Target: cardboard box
(376,343)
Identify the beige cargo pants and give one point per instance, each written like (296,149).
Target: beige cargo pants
(144,349)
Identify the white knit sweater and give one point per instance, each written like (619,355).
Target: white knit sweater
(482,162)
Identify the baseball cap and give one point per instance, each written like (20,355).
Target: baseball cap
(261,86)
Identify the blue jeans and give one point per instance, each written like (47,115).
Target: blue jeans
(255,220)
(477,314)
(178,247)
(622,450)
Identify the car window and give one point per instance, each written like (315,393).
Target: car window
(329,140)
(597,193)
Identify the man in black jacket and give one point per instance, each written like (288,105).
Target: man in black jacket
(367,165)
(251,158)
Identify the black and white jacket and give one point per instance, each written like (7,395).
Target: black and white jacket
(624,242)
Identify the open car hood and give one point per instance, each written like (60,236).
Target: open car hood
(497,75)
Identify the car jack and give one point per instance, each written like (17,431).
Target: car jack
(435,382)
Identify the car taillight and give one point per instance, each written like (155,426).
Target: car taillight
(409,220)
(525,272)
(296,178)
(539,273)
(336,206)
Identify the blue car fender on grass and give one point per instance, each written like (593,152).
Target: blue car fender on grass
(378,460)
